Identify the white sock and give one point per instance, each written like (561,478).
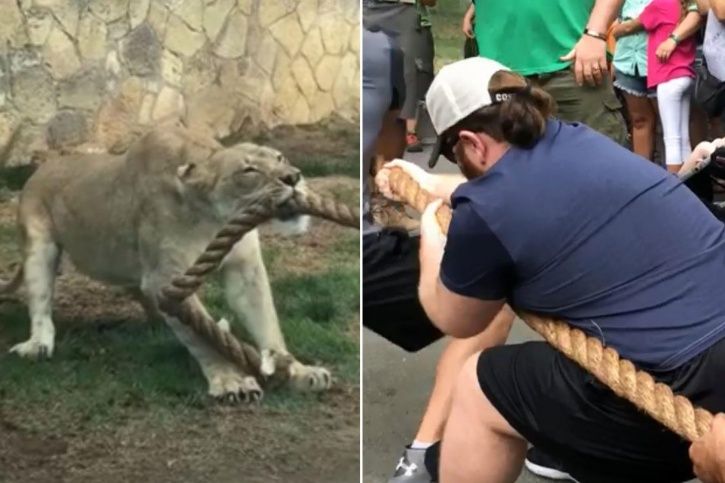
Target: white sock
(420,444)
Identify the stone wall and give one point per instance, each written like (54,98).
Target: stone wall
(97,72)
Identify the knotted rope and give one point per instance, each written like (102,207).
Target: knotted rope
(676,413)
(173,299)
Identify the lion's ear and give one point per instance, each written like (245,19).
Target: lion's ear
(185,170)
(198,177)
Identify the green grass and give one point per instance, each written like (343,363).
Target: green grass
(105,372)
(328,166)
(330,147)
(98,375)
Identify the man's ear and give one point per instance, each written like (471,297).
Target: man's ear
(471,141)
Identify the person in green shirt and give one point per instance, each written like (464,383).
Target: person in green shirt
(561,47)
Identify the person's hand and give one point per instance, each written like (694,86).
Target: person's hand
(619,30)
(432,239)
(422,177)
(467,27)
(701,153)
(590,60)
(665,49)
(708,453)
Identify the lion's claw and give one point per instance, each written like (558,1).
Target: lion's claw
(233,388)
(309,378)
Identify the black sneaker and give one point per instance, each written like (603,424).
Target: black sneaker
(541,464)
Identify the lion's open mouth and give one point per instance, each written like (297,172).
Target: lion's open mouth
(285,209)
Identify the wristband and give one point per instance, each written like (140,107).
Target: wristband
(675,38)
(595,34)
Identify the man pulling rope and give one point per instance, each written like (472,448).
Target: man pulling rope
(556,219)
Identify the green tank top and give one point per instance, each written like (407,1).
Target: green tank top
(529,36)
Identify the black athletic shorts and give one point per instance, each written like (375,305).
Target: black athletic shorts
(391,307)
(598,437)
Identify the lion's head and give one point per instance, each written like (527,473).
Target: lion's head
(233,178)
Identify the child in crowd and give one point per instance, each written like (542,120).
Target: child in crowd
(673,77)
(630,76)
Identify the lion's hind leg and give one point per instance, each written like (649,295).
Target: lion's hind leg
(248,293)
(42,255)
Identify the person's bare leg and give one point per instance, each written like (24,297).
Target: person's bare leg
(391,140)
(643,119)
(410,125)
(449,365)
(479,446)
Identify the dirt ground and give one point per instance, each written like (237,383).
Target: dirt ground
(315,439)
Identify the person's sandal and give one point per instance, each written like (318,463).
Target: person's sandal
(413,144)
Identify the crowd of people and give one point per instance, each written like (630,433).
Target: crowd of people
(609,242)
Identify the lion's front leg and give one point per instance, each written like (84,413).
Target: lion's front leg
(227,382)
(249,294)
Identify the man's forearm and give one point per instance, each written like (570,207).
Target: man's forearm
(470,12)
(427,287)
(718,8)
(603,14)
(689,25)
(703,6)
(452,314)
(631,26)
(446,184)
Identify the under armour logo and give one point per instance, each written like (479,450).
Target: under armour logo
(408,468)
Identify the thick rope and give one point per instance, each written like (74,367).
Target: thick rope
(313,204)
(676,413)
(173,299)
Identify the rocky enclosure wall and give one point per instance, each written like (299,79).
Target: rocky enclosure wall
(97,72)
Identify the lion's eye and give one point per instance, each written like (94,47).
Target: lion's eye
(249,169)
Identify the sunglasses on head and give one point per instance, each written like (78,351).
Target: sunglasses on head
(448,144)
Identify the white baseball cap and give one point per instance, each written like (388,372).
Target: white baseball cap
(458,90)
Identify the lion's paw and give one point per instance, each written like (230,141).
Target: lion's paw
(34,348)
(309,378)
(271,360)
(234,388)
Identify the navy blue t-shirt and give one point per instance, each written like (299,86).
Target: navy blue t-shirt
(582,229)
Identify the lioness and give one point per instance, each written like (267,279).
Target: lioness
(136,220)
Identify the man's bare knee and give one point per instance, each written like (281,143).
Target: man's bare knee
(469,397)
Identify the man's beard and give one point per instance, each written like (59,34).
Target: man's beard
(468,169)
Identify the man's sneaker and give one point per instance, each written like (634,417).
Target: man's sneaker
(411,468)
(541,464)
(413,144)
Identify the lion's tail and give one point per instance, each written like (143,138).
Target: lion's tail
(10,286)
